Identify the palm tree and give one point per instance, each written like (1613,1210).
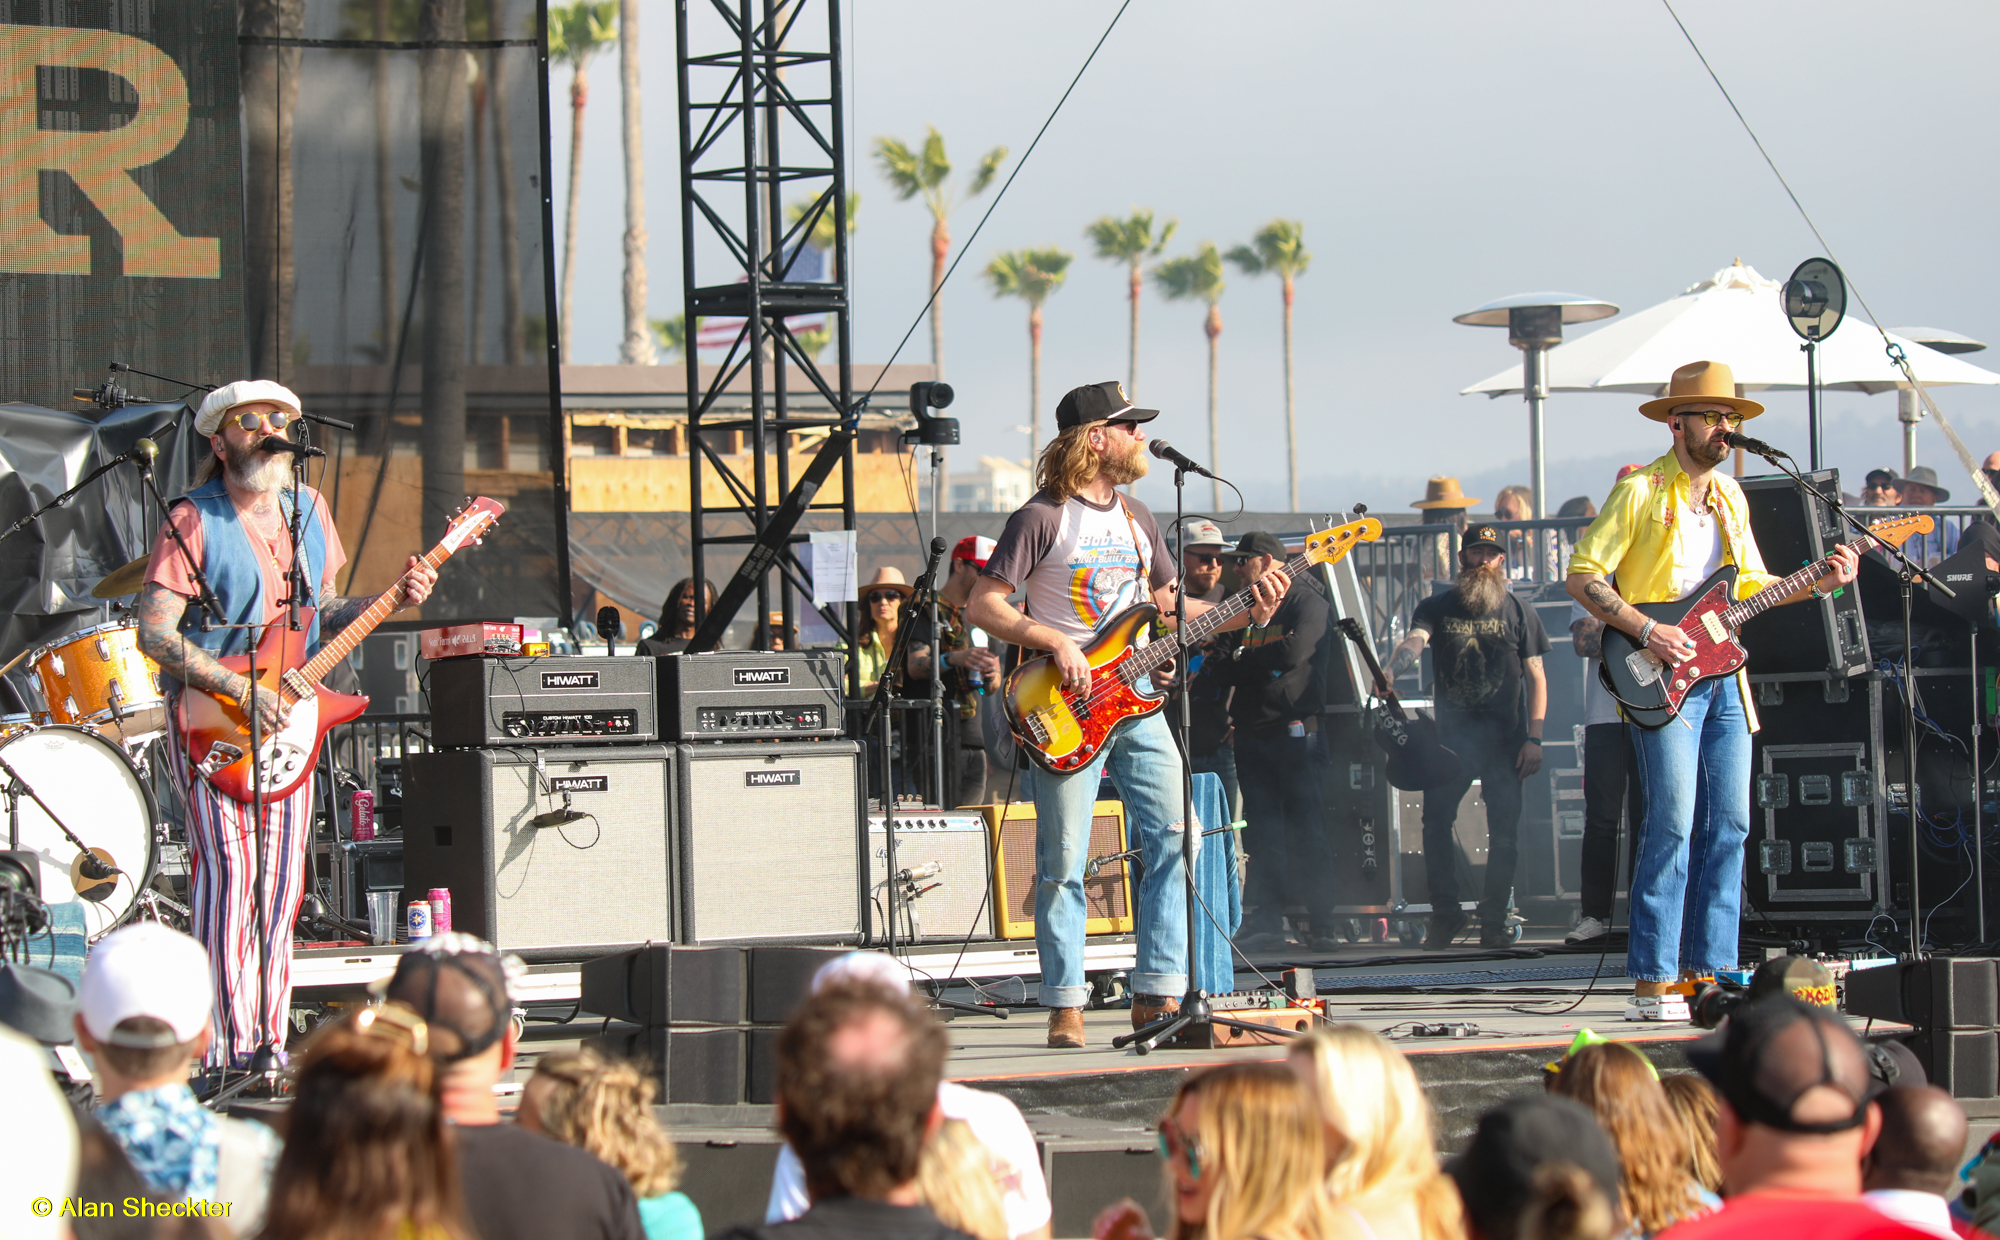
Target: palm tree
(1280,247)
(1199,277)
(923,172)
(1031,275)
(675,338)
(637,347)
(821,237)
(1131,241)
(577,32)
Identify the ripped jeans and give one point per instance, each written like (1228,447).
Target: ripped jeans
(1146,766)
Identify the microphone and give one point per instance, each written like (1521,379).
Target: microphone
(918,873)
(929,579)
(94,867)
(1737,439)
(608,626)
(1167,452)
(278,443)
(558,817)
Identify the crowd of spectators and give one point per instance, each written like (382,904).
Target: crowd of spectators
(1788,1125)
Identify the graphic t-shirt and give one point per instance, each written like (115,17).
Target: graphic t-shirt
(1080,563)
(1477,659)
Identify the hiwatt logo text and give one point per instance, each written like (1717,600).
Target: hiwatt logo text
(99,162)
(771,779)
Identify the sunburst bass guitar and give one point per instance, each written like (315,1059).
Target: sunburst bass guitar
(216,731)
(1063,729)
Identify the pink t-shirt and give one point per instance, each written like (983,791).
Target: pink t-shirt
(169,569)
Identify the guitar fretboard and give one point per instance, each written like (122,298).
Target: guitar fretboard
(342,644)
(1739,613)
(1201,628)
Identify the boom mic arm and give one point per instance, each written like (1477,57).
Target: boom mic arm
(1757,447)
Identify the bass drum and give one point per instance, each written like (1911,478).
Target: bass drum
(93,787)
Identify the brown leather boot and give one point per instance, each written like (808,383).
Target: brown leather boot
(1148,1008)
(1065,1028)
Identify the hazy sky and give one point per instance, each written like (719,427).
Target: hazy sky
(1440,155)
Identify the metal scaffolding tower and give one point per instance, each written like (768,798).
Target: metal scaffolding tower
(762,118)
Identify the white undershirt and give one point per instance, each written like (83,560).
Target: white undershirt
(1697,548)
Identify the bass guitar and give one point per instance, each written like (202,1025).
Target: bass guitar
(1062,729)
(1417,759)
(1652,692)
(216,730)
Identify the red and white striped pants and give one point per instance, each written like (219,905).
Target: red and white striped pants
(222,886)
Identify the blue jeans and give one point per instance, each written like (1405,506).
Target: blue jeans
(1687,885)
(1222,765)
(1144,763)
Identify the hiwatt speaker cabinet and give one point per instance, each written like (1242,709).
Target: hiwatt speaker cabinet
(1107,897)
(769,842)
(1792,529)
(948,851)
(600,879)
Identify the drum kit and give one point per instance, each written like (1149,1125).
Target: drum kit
(77,776)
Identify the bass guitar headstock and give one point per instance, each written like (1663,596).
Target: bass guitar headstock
(1331,546)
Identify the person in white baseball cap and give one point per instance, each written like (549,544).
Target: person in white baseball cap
(232,531)
(143,1018)
(971,671)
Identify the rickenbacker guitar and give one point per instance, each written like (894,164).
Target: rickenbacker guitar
(1063,729)
(216,730)
(1417,759)
(1651,692)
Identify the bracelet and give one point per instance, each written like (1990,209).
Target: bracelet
(1536,741)
(1647,631)
(1814,591)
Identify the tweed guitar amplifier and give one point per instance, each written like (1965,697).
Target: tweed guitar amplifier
(1107,897)
(578,700)
(769,841)
(568,853)
(740,695)
(951,866)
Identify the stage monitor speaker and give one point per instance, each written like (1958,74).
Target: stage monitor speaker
(1939,993)
(957,899)
(699,1066)
(1965,1063)
(1361,817)
(780,979)
(600,879)
(661,985)
(770,842)
(1792,529)
(1088,1163)
(760,1064)
(1107,898)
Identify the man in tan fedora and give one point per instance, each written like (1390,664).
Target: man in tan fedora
(1664,530)
(1444,504)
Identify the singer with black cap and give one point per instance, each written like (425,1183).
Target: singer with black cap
(1082,553)
(1664,529)
(234,525)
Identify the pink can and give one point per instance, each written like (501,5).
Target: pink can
(362,821)
(440,910)
(419,920)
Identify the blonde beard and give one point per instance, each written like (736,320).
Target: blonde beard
(1482,589)
(1130,468)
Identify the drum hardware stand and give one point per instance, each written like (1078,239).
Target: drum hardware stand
(92,866)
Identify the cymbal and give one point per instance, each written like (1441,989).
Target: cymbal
(122,581)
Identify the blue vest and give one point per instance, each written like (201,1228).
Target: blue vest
(234,565)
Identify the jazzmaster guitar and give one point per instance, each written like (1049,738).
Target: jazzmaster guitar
(218,733)
(1063,729)
(1651,692)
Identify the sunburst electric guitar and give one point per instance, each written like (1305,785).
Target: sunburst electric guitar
(217,732)
(1652,692)
(1062,729)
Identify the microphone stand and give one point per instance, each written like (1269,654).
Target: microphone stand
(1907,576)
(879,715)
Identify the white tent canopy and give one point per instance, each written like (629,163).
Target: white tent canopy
(1734,317)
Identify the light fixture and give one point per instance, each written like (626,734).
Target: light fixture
(1815,300)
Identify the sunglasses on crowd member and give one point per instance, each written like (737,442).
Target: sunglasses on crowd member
(1202,558)
(277,419)
(1712,418)
(884,596)
(1171,1142)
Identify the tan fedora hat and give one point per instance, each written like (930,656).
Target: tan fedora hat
(1443,492)
(888,577)
(1700,383)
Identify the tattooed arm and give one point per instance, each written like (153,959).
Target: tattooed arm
(1587,636)
(1530,758)
(160,638)
(1404,657)
(1668,642)
(411,589)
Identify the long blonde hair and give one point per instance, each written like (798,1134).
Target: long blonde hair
(606,1106)
(1261,1142)
(957,1180)
(1068,463)
(1368,1094)
(1695,1103)
(1618,1085)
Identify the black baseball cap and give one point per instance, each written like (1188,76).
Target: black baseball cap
(1496,1173)
(1775,1050)
(1257,542)
(1880,478)
(1482,536)
(1099,402)
(459,985)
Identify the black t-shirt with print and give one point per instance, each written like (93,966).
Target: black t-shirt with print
(1477,660)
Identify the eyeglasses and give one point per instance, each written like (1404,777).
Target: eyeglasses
(277,420)
(1202,559)
(1712,418)
(884,596)
(1172,1142)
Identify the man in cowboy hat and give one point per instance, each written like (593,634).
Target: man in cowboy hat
(970,670)
(1921,490)
(1444,504)
(1084,554)
(1663,531)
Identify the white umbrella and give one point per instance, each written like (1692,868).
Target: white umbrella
(1734,317)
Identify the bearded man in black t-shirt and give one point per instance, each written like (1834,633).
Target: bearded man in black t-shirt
(1487,646)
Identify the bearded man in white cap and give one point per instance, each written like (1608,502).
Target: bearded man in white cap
(234,526)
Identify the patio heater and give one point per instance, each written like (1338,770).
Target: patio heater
(1815,301)
(1910,410)
(1534,323)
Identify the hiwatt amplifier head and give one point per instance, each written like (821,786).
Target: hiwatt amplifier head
(497,700)
(739,695)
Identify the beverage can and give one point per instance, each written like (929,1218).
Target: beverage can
(362,811)
(440,910)
(419,920)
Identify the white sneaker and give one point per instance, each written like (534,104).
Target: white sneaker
(1589,930)
(1657,1007)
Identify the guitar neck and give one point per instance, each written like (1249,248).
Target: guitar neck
(1739,613)
(1208,623)
(342,644)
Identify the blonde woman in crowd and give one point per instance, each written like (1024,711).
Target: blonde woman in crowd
(957,1180)
(606,1107)
(1621,1087)
(1695,1102)
(1382,1169)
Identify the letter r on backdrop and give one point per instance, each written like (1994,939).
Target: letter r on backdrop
(99,163)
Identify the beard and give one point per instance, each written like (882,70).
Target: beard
(254,469)
(1126,468)
(1703,449)
(1482,587)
